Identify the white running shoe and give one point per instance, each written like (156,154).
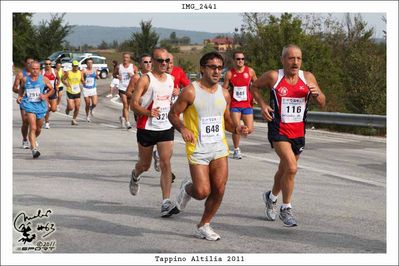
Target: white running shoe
(155,156)
(58,108)
(237,154)
(88,119)
(206,232)
(47,125)
(109,95)
(25,144)
(35,153)
(123,122)
(74,122)
(128,125)
(183,198)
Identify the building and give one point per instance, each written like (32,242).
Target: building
(221,44)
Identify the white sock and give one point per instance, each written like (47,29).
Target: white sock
(272,197)
(165,200)
(286,206)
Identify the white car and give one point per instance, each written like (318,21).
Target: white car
(99,63)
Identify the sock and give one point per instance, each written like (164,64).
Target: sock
(286,206)
(272,197)
(165,200)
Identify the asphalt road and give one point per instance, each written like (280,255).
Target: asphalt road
(83,175)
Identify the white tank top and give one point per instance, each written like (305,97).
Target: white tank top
(124,76)
(158,94)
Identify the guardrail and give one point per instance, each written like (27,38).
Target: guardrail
(334,118)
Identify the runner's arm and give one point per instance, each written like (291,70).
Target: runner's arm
(132,84)
(227,78)
(65,79)
(228,122)
(185,99)
(267,80)
(315,90)
(21,90)
(17,83)
(50,89)
(142,86)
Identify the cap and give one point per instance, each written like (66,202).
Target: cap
(75,63)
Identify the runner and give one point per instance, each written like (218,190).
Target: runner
(52,76)
(72,79)
(205,107)
(151,101)
(16,88)
(125,72)
(290,91)
(60,74)
(145,66)
(115,80)
(33,100)
(180,82)
(90,88)
(241,106)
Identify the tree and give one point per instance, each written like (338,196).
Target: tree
(50,35)
(144,41)
(22,34)
(103,45)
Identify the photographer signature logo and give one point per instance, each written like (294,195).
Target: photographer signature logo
(34,231)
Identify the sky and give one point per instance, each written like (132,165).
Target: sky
(209,22)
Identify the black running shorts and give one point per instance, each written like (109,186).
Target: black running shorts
(148,138)
(297,144)
(73,96)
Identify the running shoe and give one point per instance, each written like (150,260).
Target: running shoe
(67,111)
(134,183)
(123,122)
(128,125)
(58,108)
(91,110)
(47,125)
(168,208)
(35,153)
(237,154)
(156,161)
(74,122)
(25,144)
(287,217)
(206,232)
(271,206)
(88,119)
(183,198)
(109,95)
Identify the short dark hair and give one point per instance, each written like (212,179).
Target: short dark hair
(47,59)
(209,56)
(89,59)
(237,52)
(144,55)
(28,57)
(114,62)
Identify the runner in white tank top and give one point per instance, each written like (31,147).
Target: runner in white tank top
(126,72)
(151,101)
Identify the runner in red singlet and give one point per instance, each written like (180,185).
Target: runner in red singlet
(290,91)
(54,79)
(239,79)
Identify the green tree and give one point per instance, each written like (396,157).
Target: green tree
(50,35)
(103,45)
(23,31)
(144,41)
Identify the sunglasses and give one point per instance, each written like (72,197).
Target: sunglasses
(240,58)
(147,62)
(48,64)
(160,60)
(214,67)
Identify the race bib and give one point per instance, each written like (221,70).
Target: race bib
(211,129)
(75,88)
(240,93)
(162,120)
(125,79)
(89,81)
(292,109)
(33,94)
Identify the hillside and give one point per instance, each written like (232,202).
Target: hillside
(94,35)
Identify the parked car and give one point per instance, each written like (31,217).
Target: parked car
(64,57)
(99,62)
